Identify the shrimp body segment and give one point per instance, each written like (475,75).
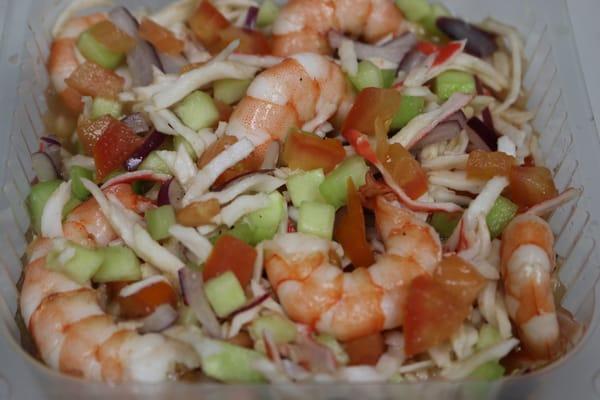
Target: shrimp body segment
(348,305)
(527,260)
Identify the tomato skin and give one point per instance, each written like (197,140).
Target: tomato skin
(531,185)
(112,37)
(231,254)
(90,79)
(406,171)
(487,164)
(427,48)
(365,350)
(114,147)
(307,152)
(206,23)
(251,42)
(370,104)
(459,278)
(446,52)
(143,302)
(161,38)
(89,132)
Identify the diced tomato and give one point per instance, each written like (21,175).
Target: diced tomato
(143,302)
(459,278)
(71,98)
(207,23)
(446,52)
(370,104)
(531,185)
(225,110)
(242,339)
(161,38)
(231,254)
(89,132)
(405,170)
(432,315)
(90,79)
(114,147)
(198,213)
(350,230)
(307,152)
(487,164)
(215,149)
(112,37)
(427,48)
(365,350)
(251,42)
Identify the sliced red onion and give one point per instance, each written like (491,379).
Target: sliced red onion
(137,123)
(172,64)
(393,51)
(271,155)
(480,43)
(481,136)
(249,305)
(134,176)
(44,168)
(486,114)
(192,288)
(251,16)
(412,59)
(163,317)
(170,193)
(50,140)
(152,142)
(445,131)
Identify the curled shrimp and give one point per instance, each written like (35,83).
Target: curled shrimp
(302,25)
(63,60)
(314,291)
(527,262)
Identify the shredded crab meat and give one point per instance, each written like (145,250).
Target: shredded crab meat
(240,207)
(193,241)
(167,122)
(51,223)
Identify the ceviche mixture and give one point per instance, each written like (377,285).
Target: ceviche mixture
(326,190)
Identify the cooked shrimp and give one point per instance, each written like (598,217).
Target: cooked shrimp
(314,291)
(527,264)
(302,25)
(62,60)
(303,91)
(74,335)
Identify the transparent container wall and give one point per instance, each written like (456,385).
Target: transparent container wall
(569,141)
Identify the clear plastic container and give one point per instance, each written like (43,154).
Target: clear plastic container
(569,140)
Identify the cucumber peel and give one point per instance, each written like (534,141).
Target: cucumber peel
(333,189)
(37,199)
(502,212)
(410,107)
(98,53)
(159,221)
(77,189)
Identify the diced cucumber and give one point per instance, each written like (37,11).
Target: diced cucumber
(488,336)
(181,141)
(242,231)
(142,187)
(305,186)
(102,106)
(229,363)
(187,316)
(267,13)
(77,173)
(316,219)
(338,351)
(429,22)
(410,107)
(389,76)
(281,329)
(77,262)
(444,223)
(153,162)
(502,212)
(96,52)
(159,221)
(72,204)
(414,10)
(40,193)
(333,189)
(264,223)
(224,293)
(489,371)
(449,82)
(368,75)
(120,264)
(197,110)
(230,91)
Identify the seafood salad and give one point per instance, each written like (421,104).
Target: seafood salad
(320,190)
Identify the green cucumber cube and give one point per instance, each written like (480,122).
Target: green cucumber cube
(414,10)
(410,107)
(181,141)
(389,76)
(242,231)
(444,223)
(264,223)
(230,363)
(77,189)
(305,186)
(197,111)
(368,75)
(72,204)
(230,91)
(334,187)
(102,106)
(225,294)
(316,219)
(120,264)
(80,266)
(502,212)
(449,82)
(489,371)
(153,162)
(96,52)
(159,221)
(429,22)
(40,193)
(488,336)
(338,351)
(281,329)
(267,13)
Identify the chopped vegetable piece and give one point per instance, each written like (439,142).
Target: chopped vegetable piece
(368,75)
(230,363)
(338,351)
(113,38)
(488,336)
(181,141)
(305,186)
(144,301)
(410,107)
(76,173)
(225,294)
(449,82)
(37,199)
(444,223)
(389,76)
(242,339)
(72,204)
(405,170)
(281,329)
(460,279)
(531,185)
(251,42)
(334,187)
(489,371)
(230,91)
(215,149)
(160,37)
(102,106)
(96,52)
(414,10)
(225,110)
(429,22)
(365,350)
(80,266)
(89,132)
(198,213)
(316,219)
(154,163)
(264,223)
(206,23)
(197,110)
(371,104)
(120,264)
(306,151)
(487,164)
(159,221)
(230,254)
(91,79)
(350,230)
(242,231)
(500,215)
(267,13)
(115,146)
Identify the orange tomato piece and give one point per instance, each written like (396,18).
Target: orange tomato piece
(350,230)
(89,132)
(370,104)
(230,254)
(161,38)
(531,185)
(405,170)
(251,42)
(487,164)
(215,149)
(365,350)
(305,151)
(225,110)
(198,213)
(90,79)
(459,278)
(143,302)
(114,147)
(112,37)
(207,23)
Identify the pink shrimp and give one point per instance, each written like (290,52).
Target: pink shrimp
(62,60)
(527,263)
(302,25)
(314,291)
